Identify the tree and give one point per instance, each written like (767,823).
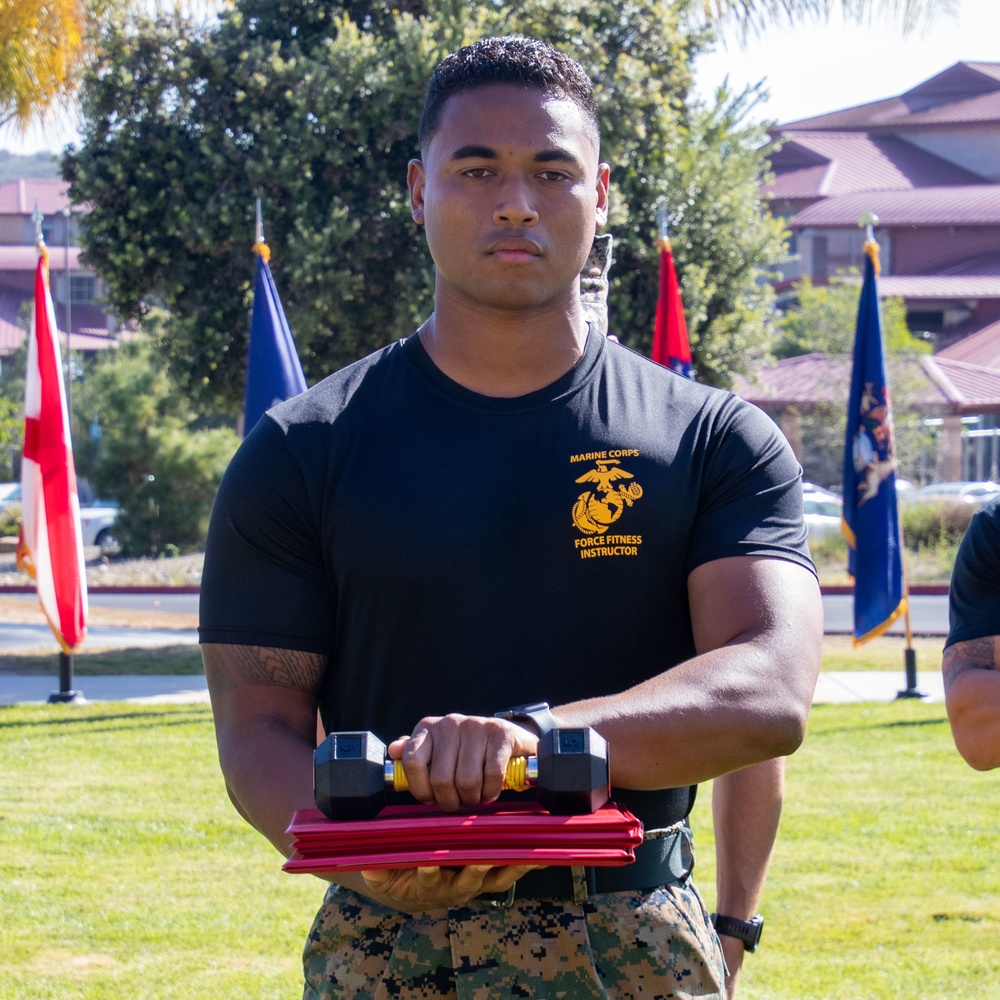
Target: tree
(824,317)
(823,321)
(137,441)
(43,44)
(317,113)
(48,43)
(754,15)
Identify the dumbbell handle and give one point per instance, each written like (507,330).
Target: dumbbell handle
(522,773)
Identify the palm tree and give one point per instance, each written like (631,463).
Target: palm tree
(46,42)
(43,43)
(754,15)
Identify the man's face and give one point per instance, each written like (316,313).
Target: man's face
(510,193)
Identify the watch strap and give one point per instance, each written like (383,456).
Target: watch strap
(747,931)
(537,713)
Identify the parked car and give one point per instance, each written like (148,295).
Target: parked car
(960,492)
(826,491)
(97,519)
(822,510)
(97,525)
(9,493)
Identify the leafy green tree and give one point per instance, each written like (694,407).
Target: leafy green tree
(317,113)
(138,442)
(824,317)
(823,321)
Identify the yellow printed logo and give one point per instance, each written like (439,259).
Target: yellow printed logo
(596,510)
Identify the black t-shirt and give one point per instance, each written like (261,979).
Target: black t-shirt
(974,598)
(453,552)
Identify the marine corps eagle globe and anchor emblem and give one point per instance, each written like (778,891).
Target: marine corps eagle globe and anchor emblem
(596,510)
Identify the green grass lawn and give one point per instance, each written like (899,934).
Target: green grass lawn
(125,872)
(884,881)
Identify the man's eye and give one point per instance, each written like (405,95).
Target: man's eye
(554,175)
(477,172)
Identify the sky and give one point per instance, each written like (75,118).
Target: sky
(819,67)
(808,69)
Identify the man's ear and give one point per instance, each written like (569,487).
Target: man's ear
(416,181)
(603,183)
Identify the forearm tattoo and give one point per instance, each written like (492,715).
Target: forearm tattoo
(292,668)
(973,654)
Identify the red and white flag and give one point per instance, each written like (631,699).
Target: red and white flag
(51,545)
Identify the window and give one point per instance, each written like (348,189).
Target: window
(82,288)
(821,265)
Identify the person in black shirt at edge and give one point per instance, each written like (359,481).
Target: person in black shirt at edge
(971,664)
(507,508)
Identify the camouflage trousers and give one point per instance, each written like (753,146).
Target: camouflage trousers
(647,945)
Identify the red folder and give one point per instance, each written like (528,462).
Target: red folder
(409,836)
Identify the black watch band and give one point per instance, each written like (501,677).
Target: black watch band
(747,931)
(537,713)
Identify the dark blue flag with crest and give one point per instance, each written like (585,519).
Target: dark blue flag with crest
(274,372)
(871,513)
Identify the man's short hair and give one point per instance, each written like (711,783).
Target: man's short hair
(512,59)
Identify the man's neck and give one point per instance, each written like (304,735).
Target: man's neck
(507,354)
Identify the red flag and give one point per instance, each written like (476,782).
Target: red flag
(670,336)
(51,545)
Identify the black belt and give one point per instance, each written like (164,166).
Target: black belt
(658,861)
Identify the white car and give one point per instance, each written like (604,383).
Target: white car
(97,522)
(960,492)
(822,511)
(9,493)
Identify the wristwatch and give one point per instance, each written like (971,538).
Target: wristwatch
(537,713)
(747,931)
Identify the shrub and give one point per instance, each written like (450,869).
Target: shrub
(10,519)
(931,525)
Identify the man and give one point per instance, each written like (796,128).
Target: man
(507,508)
(971,664)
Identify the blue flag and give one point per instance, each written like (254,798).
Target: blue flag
(273,369)
(871,512)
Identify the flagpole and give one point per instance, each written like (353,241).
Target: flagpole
(869,220)
(66,694)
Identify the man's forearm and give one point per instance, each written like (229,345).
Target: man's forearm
(757,624)
(746,809)
(268,776)
(718,712)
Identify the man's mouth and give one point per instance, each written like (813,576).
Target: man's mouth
(514,251)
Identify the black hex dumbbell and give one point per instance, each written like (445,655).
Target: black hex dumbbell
(351,773)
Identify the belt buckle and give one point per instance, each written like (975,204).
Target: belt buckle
(502,904)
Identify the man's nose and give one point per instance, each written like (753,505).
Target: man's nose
(515,206)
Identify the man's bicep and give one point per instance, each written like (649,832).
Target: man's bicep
(229,666)
(251,682)
(971,654)
(755,597)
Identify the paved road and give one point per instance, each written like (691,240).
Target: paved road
(834,687)
(178,603)
(14,637)
(928,614)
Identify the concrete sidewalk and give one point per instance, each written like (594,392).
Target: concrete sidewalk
(834,687)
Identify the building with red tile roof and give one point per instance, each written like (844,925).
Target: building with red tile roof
(927,163)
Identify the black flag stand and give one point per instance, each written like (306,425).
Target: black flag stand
(66,694)
(910,660)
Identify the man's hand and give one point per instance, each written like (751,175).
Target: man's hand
(460,760)
(414,889)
